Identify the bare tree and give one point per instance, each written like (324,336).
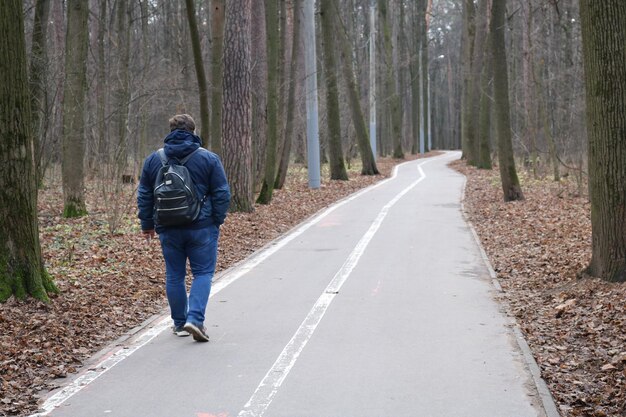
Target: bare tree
(217,70)
(74,108)
(508,174)
(199,65)
(337,166)
(271,34)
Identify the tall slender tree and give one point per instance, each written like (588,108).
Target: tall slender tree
(390,86)
(604,49)
(467,45)
(217,70)
(281,174)
(365,150)
(508,174)
(77,42)
(21,266)
(200,74)
(271,35)
(337,166)
(236,110)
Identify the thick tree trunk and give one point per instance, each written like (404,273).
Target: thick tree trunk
(38,79)
(237,116)
(271,31)
(199,65)
(281,175)
(508,174)
(21,265)
(217,70)
(74,108)
(337,166)
(604,51)
(363,141)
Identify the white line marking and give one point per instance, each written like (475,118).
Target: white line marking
(268,388)
(222,281)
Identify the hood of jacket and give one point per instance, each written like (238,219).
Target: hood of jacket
(180,143)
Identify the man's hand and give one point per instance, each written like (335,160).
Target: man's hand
(148,234)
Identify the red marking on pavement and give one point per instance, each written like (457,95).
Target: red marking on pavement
(329,221)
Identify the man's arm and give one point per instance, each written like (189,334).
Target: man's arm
(145,199)
(219,192)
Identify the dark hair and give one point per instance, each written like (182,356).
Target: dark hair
(183,122)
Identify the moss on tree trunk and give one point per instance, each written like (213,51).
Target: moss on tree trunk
(21,266)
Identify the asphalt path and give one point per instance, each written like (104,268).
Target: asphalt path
(379,306)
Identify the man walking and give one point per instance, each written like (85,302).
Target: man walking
(195,239)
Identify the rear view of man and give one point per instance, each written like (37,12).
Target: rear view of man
(194,238)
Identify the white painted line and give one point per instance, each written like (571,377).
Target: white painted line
(230,276)
(270,384)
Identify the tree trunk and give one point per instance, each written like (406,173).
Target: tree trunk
(258,56)
(197,59)
(337,166)
(363,142)
(391,91)
(467,45)
(604,54)
(76,42)
(291,100)
(475,96)
(425,93)
(21,266)
(101,86)
(237,119)
(415,81)
(271,31)
(508,174)
(217,71)
(484,123)
(122,86)
(38,79)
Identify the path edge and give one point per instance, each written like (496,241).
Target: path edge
(547,400)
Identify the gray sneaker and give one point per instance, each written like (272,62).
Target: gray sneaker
(180,331)
(197,331)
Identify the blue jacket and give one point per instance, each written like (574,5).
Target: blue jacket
(206,172)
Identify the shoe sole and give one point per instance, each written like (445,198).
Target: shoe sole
(197,334)
(183,333)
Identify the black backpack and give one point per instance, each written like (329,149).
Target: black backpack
(175,200)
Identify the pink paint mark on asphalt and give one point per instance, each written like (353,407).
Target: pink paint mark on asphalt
(376,290)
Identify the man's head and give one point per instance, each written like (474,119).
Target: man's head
(183,122)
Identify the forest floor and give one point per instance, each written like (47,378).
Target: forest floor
(111,283)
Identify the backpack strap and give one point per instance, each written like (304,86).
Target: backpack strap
(162,156)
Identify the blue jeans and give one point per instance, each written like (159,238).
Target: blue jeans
(200,247)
